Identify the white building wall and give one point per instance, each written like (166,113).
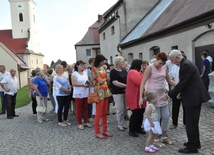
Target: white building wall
(10,63)
(81,52)
(109,45)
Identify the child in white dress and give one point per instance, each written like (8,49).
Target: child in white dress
(151,124)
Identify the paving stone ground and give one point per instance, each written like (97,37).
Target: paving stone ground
(25,136)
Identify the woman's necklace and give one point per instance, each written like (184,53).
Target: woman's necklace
(119,70)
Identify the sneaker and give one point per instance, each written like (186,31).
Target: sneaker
(88,125)
(149,150)
(154,148)
(62,124)
(81,127)
(121,128)
(40,121)
(67,123)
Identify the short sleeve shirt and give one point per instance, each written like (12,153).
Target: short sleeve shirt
(42,86)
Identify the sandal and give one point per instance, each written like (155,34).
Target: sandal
(100,136)
(149,150)
(107,134)
(158,143)
(167,140)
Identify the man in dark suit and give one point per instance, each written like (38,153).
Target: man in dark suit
(193,93)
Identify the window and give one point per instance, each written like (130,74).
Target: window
(37,61)
(22,31)
(88,53)
(141,56)
(174,47)
(112,30)
(104,36)
(21,17)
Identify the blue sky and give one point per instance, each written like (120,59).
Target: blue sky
(61,23)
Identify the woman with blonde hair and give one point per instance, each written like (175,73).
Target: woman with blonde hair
(118,86)
(63,89)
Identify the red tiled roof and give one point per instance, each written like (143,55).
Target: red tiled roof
(180,11)
(17,45)
(92,36)
(19,61)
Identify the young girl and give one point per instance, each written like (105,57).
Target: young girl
(151,124)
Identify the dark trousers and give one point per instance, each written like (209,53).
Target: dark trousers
(34,104)
(11,103)
(90,110)
(206,81)
(175,111)
(136,120)
(3,101)
(63,102)
(192,128)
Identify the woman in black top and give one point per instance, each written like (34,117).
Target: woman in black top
(118,87)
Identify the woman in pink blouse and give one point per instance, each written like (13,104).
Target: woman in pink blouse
(134,79)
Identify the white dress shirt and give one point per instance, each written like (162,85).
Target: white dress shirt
(2,76)
(10,83)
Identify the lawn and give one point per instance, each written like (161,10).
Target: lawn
(22,98)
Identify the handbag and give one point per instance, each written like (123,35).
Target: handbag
(92,97)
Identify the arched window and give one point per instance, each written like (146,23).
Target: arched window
(20,17)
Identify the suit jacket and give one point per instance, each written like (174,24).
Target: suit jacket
(191,86)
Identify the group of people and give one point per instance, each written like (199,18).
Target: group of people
(145,89)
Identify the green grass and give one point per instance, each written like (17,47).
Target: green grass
(22,98)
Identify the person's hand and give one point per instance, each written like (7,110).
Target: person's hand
(152,125)
(85,85)
(165,97)
(41,97)
(178,96)
(68,91)
(140,102)
(7,89)
(107,78)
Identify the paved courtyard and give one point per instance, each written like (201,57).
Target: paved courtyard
(24,136)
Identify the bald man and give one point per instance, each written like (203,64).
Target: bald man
(193,94)
(10,86)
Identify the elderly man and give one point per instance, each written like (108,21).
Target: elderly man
(3,74)
(10,86)
(193,93)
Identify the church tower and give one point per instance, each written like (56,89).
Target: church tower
(23,17)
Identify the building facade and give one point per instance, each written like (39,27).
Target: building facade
(119,20)
(89,46)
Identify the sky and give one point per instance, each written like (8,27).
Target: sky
(61,24)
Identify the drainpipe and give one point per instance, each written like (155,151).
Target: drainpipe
(118,49)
